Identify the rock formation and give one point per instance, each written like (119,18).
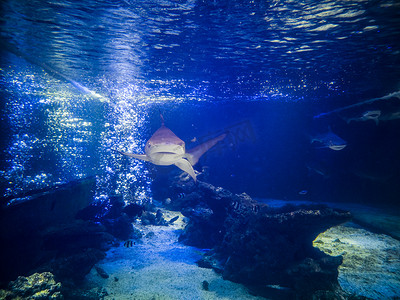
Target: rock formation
(39,286)
(262,247)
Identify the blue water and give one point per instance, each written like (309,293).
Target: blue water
(261,70)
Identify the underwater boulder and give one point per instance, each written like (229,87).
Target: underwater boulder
(37,286)
(24,219)
(133,210)
(149,218)
(313,274)
(106,208)
(120,227)
(73,268)
(69,251)
(271,247)
(46,207)
(200,231)
(74,237)
(212,206)
(207,209)
(114,215)
(258,245)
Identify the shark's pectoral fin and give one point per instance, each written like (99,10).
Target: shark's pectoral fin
(138,156)
(194,154)
(185,166)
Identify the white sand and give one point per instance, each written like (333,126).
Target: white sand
(162,268)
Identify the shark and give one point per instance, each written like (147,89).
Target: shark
(376,115)
(368,115)
(390,116)
(164,148)
(330,140)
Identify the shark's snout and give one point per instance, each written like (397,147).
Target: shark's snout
(166,148)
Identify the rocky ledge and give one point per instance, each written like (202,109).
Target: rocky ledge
(268,249)
(37,286)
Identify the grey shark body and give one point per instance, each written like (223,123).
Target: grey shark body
(330,140)
(376,116)
(390,116)
(164,148)
(368,115)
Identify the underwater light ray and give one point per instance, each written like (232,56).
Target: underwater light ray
(53,133)
(76,133)
(389,96)
(80,87)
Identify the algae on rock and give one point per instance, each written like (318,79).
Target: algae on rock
(37,286)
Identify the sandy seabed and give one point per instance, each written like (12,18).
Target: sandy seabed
(159,267)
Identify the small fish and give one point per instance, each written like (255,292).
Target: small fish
(181,195)
(193,140)
(173,219)
(101,272)
(159,215)
(303,192)
(205,285)
(129,244)
(373,175)
(255,208)
(278,287)
(236,205)
(205,249)
(318,168)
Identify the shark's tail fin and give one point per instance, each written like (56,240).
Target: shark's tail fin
(193,155)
